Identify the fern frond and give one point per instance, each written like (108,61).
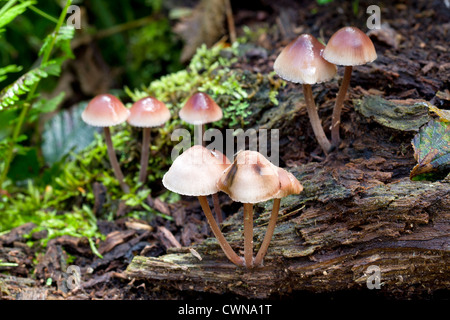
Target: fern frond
(10,94)
(8,13)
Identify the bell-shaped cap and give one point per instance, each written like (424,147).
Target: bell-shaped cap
(301,61)
(105,110)
(148,112)
(250,179)
(200,109)
(349,46)
(196,172)
(288,184)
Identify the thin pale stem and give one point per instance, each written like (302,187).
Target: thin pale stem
(217,208)
(315,120)
(113,160)
(229,252)
(248,234)
(144,154)
(199,130)
(269,232)
(336,119)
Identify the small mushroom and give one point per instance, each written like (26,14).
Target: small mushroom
(195,173)
(288,185)
(198,110)
(106,110)
(147,113)
(301,62)
(250,179)
(347,47)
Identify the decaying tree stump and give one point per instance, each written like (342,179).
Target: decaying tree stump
(345,221)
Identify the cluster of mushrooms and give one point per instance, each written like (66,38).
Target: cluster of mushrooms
(250,177)
(307,61)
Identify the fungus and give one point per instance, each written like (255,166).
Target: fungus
(348,47)
(301,62)
(250,179)
(198,110)
(195,173)
(106,110)
(288,185)
(147,113)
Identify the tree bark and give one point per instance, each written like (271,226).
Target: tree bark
(326,239)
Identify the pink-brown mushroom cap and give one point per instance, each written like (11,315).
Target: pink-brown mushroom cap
(200,109)
(148,112)
(301,61)
(349,46)
(105,110)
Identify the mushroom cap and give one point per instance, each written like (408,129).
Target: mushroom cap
(349,46)
(105,110)
(301,61)
(148,112)
(200,109)
(288,184)
(250,179)
(196,171)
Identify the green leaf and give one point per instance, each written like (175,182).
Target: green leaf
(432,151)
(9,69)
(9,14)
(45,106)
(65,132)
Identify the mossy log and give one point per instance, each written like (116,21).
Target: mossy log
(326,238)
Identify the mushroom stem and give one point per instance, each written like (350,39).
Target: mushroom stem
(217,208)
(229,252)
(113,160)
(248,234)
(144,154)
(199,129)
(336,119)
(315,120)
(269,233)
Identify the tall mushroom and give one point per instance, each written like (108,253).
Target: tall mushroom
(147,113)
(106,110)
(198,110)
(250,179)
(301,62)
(195,173)
(348,47)
(288,185)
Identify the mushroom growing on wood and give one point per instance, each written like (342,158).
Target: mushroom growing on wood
(252,179)
(301,62)
(195,173)
(106,110)
(147,113)
(347,47)
(288,185)
(198,110)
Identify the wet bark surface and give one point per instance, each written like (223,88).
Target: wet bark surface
(359,209)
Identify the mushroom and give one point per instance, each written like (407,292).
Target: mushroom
(198,110)
(106,110)
(250,179)
(195,173)
(348,47)
(147,113)
(288,185)
(301,62)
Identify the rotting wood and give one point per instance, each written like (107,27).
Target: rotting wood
(347,225)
